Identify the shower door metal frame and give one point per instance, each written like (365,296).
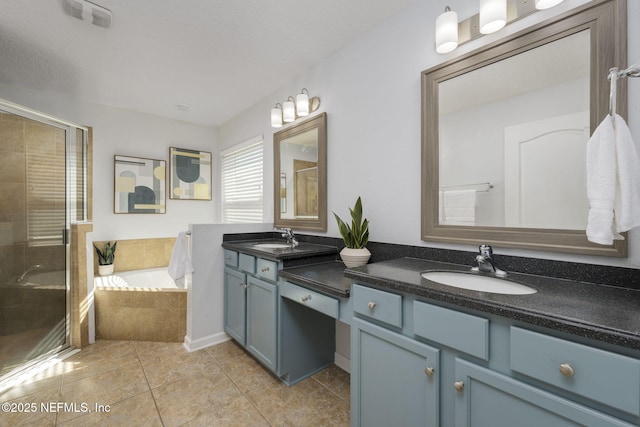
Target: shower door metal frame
(71,191)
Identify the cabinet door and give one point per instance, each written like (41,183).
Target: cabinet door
(394,379)
(262,304)
(487,398)
(235,296)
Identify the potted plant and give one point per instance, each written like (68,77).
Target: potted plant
(106,258)
(355,237)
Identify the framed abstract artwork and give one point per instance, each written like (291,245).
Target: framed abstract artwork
(140,185)
(190,174)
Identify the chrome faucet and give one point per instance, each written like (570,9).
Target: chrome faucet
(287,233)
(486,263)
(28,270)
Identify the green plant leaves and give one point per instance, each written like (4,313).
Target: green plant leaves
(106,256)
(356,236)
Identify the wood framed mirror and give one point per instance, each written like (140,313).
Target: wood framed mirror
(300,175)
(504,133)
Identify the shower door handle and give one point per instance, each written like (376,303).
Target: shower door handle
(65,236)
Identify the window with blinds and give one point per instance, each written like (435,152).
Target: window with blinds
(242,199)
(46,191)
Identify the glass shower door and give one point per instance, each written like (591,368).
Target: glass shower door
(38,197)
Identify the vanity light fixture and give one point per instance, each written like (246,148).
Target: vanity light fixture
(546,4)
(493,15)
(447,31)
(302,103)
(291,109)
(276,116)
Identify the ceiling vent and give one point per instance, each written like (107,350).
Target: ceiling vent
(88,12)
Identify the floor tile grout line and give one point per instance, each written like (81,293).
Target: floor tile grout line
(144,372)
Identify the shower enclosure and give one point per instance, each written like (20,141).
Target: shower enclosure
(42,191)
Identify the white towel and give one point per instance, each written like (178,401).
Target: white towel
(460,207)
(180,264)
(613,182)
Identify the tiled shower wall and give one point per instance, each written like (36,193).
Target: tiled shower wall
(17,137)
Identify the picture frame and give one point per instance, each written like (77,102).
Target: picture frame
(139,185)
(190,174)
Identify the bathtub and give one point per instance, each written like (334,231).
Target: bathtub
(157,278)
(140,305)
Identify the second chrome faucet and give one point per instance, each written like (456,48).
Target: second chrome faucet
(287,233)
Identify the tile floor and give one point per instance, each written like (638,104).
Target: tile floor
(161,384)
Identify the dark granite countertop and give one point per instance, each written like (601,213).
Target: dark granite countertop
(605,313)
(303,250)
(326,277)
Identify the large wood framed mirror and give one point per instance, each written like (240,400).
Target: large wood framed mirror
(504,133)
(300,175)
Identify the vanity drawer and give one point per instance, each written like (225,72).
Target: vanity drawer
(606,377)
(230,258)
(314,300)
(267,269)
(461,331)
(247,263)
(380,305)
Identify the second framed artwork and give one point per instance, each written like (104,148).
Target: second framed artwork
(189,174)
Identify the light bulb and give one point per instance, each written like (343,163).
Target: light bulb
(493,15)
(546,4)
(447,31)
(276,117)
(302,103)
(288,110)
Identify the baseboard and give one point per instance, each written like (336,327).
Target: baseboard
(342,362)
(200,343)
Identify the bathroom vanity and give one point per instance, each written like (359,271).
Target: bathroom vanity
(425,353)
(285,318)
(429,354)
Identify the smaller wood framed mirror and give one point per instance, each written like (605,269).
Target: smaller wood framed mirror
(300,175)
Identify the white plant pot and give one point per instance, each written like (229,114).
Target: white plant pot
(105,270)
(355,257)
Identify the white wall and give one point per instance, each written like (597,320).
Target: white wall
(128,133)
(371,93)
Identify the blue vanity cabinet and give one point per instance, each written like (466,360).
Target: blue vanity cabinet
(486,370)
(235,297)
(488,398)
(262,310)
(394,378)
(251,305)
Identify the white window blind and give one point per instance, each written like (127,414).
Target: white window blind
(242,199)
(46,202)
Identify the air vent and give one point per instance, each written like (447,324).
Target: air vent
(88,12)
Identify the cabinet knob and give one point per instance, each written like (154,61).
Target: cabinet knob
(458,385)
(244,285)
(567,370)
(429,371)
(371,305)
(305,298)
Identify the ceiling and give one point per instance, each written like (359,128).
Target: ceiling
(217,56)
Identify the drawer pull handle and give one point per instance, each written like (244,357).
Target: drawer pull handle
(567,370)
(264,269)
(371,305)
(305,298)
(458,385)
(429,371)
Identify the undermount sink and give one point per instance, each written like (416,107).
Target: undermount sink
(474,282)
(272,246)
